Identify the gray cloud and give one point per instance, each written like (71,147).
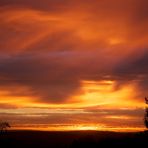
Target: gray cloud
(51,77)
(56,76)
(134,70)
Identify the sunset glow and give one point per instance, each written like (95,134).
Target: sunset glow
(73,65)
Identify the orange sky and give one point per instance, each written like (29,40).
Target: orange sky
(73,65)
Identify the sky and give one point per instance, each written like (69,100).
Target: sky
(73,64)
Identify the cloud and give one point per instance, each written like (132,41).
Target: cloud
(48,48)
(7,106)
(73,25)
(45,78)
(134,70)
(50,77)
(105,117)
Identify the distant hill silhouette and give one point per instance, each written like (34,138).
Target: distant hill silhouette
(76,139)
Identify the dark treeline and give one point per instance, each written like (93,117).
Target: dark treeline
(77,139)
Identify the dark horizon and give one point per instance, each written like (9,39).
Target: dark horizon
(73,139)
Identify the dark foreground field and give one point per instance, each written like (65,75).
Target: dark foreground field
(77,139)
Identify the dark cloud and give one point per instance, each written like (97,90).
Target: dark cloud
(52,77)
(56,76)
(45,78)
(136,65)
(134,70)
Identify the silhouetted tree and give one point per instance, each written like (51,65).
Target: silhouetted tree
(146,114)
(4,126)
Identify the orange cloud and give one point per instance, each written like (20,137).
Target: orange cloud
(74,55)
